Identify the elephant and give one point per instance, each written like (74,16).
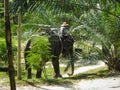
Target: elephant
(58,46)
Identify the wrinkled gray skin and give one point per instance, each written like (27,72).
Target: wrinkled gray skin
(64,46)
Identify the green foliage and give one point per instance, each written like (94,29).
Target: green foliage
(39,52)
(93,21)
(3,55)
(3,50)
(2,34)
(99,28)
(1,19)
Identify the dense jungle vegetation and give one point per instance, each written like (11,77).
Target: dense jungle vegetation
(93,24)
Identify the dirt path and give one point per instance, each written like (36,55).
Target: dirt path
(86,68)
(111,83)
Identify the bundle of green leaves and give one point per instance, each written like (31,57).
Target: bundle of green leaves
(40,52)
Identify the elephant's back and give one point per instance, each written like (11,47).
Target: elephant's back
(54,38)
(55,44)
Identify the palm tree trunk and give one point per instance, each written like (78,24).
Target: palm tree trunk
(19,41)
(9,46)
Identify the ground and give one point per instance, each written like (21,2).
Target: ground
(110,83)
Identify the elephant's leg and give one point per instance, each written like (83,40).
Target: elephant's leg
(40,69)
(39,73)
(29,71)
(55,62)
(29,76)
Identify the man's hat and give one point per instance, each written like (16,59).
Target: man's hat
(64,24)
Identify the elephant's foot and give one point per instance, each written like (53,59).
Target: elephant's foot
(29,76)
(57,76)
(38,76)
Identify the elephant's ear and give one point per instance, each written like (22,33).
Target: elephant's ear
(68,43)
(54,38)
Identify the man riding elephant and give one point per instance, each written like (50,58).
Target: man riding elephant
(57,46)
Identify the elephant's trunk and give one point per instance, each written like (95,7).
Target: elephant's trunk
(72,70)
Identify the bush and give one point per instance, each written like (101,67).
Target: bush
(3,50)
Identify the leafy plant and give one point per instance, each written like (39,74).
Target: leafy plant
(39,53)
(3,55)
(3,50)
